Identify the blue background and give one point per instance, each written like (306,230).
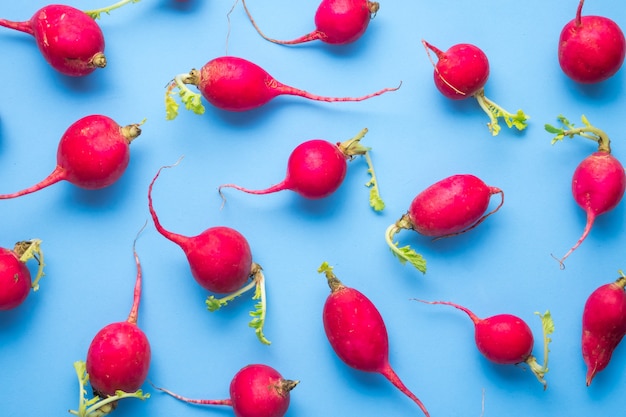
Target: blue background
(417,137)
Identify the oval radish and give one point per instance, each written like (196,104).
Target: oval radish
(449,207)
(15,278)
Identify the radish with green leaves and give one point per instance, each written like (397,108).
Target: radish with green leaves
(15,277)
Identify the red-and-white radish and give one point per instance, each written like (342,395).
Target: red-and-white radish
(451,206)
(15,277)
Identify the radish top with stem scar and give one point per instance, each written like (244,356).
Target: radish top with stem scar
(15,278)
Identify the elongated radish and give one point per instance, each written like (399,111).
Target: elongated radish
(317,168)
(93,153)
(257,390)
(506,339)
(449,207)
(462,72)
(357,333)
(235,84)
(221,262)
(15,278)
(337,22)
(599,181)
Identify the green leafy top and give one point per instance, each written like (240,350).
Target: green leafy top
(538,370)
(586,131)
(31,249)
(406,253)
(519,120)
(95,13)
(191,100)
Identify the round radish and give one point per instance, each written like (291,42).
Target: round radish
(220,260)
(357,333)
(255,391)
(93,153)
(591,48)
(235,84)
(317,168)
(15,278)
(604,325)
(599,181)
(337,22)
(461,72)
(449,207)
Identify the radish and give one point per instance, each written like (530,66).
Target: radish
(93,153)
(604,325)
(118,360)
(337,22)
(221,262)
(357,333)
(461,72)
(449,207)
(257,390)
(235,84)
(317,168)
(69,39)
(506,339)
(599,181)
(15,278)
(591,48)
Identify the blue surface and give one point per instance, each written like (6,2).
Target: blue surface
(417,137)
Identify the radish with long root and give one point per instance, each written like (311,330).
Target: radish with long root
(506,339)
(603,324)
(316,169)
(69,39)
(449,207)
(93,153)
(357,333)
(256,390)
(591,48)
(221,262)
(15,277)
(118,360)
(599,181)
(462,72)
(337,22)
(236,84)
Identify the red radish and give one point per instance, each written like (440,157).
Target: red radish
(506,339)
(461,72)
(235,84)
(591,48)
(449,207)
(317,168)
(599,181)
(221,262)
(69,39)
(15,278)
(604,325)
(93,153)
(255,391)
(357,333)
(337,22)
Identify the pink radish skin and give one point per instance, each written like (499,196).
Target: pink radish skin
(449,207)
(604,325)
(93,153)
(591,48)
(15,277)
(357,333)
(235,84)
(337,22)
(255,391)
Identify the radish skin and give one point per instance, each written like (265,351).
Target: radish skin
(15,277)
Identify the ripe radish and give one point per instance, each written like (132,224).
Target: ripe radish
(93,153)
(15,278)
(591,48)
(461,72)
(235,84)
(449,207)
(317,168)
(357,333)
(118,360)
(69,39)
(255,391)
(337,22)
(599,181)
(604,325)
(506,339)
(221,262)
